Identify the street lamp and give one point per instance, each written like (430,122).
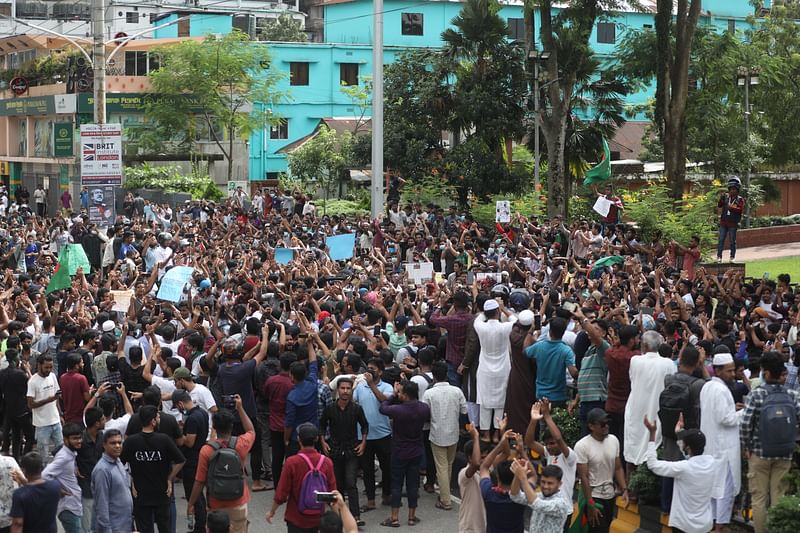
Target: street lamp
(537,57)
(745,77)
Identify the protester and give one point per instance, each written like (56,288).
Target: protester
(34,506)
(113,501)
(62,469)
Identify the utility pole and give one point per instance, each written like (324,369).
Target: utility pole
(377,111)
(745,77)
(99,60)
(536,56)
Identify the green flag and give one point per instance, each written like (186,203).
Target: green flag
(71,258)
(602,171)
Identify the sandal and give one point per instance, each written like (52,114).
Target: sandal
(366,508)
(360,523)
(390,523)
(442,506)
(429,488)
(414,521)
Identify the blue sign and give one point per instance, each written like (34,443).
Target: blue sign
(340,247)
(173,282)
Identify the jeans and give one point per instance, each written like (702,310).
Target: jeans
(88,512)
(405,470)
(47,438)
(200,504)
(731,234)
(278,454)
(15,428)
(148,516)
(767,486)
(262,422)
(452,376)
(444,456)
(291,528)
(345,468)
(382,448)
(70,522)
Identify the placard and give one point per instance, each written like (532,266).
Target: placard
(340,247)
(173,282)
(101,154)
(122,300)
(419,273)
(101,205)
(602,206)
(502,211)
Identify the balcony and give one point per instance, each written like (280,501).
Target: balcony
(77,11)
(32,10)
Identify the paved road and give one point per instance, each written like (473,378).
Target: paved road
(433,520)
(768,251)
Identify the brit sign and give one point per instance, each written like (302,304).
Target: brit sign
(101,154)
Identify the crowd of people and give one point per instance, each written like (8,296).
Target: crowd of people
(326,380)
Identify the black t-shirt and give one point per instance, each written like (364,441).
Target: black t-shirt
(150,457)
(237,378)
(88,455)
(195,422)
(14,389)
(37,504)
(168,426)
(132,377)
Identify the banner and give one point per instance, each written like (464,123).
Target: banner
(101,205)
(173,282)
(283,255)
(63,135)
(122,300)
(101,154)
(340,247)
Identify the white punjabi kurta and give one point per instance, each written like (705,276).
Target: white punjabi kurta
(494,363)
(719,422)
(647,374)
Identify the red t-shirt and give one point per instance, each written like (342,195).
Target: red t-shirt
(243,445)
(73,386)
(618,360)
(288,489)
(277,389)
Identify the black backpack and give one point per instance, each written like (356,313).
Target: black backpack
(225,474)
(675,399)
(777,424)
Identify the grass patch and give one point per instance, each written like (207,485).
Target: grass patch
(781,265)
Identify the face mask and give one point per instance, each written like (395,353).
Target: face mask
(490,251)
(747,303)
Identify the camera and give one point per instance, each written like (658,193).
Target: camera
(325,497)
(229,401)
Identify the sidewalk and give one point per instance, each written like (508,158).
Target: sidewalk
(770,251)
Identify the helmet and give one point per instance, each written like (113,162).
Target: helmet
(165,236)
(500,290)
(733,181)
(519,299)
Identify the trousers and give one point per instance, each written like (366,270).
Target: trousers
(767,486)
(382,449)
(444,456)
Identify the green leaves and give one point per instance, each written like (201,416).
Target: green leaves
(169,178)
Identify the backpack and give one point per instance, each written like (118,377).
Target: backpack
(777,423)
(426,377)
(313,481)
(225,475)
(675,399)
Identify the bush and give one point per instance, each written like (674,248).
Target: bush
(766,222)
(568,425)
(168,178)
(429,190)
(784,516)
(645,485)
(341,208)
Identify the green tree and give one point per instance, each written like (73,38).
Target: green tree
(218,83)
(322,160)
(282,29)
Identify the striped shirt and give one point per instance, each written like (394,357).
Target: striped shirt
(593,376)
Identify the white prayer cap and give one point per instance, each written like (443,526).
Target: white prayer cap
(525,318)
(490,305)
(722,359)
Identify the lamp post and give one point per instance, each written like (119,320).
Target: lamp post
(745,77)
(376,185)
(537,57)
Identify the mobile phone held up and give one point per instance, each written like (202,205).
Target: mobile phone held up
(325,497)
(229,401)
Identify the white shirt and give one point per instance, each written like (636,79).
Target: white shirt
(569,466)
(166,386)
(600,456)
(691,497)
(38,196)
(39,389)
(203,398)
(120,423)
(445,401)
(719,422)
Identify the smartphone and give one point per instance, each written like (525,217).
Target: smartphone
(766,275)
(512,443)
(569,306)
(537,321)
(470,278)
(229,401)
(325,497)
(157,309)
(376,331)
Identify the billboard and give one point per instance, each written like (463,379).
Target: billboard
(101,154)
(101,205)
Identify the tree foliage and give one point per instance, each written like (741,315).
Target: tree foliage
(283,29)
(220,83)
(169,178)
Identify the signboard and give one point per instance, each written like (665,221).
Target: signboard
(19,86)
(101,205)
(129,102)
(233,185)
(101,154)
(36,105)
(63,139)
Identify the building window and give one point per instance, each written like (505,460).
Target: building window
(647,26)
(348,73)
(132,17)
(298,73)
(606,33)
(411,23)
(731,26)
(280,130)
(136,63)
(5,10)
(183,28)
(516,27)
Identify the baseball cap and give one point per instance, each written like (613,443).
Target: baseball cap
(182,373)
(596,415)
(401,322)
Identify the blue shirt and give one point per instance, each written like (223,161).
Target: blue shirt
(502,514)
(552,359)
(301,403)
(37,505)
(379,426)
(113,503)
